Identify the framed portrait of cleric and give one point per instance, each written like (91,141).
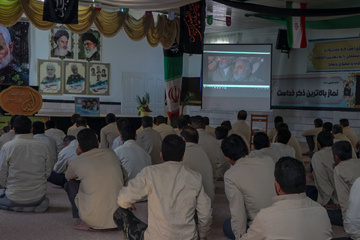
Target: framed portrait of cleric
(89,46)
(50,74)
(75,75)
(99,79)
(62,43)
(88,107)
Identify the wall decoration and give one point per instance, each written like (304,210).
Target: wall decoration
(50,75)
(87,107)
(62,43)
(89,46)
(99,79)
(75,75)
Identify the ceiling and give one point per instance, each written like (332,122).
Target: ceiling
(238,19)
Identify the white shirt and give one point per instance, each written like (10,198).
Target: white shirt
(6,137)
(283,150)
(52,146)
(352,219)
(58,136)
(67,154)
(132,157)
(117,142)
(266,152)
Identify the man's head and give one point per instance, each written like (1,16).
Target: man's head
(261,140)
(234,148)
(87,140)
(342,151)
(50,124)
(327,126)
(181,122)
(282,126)
(318,122)
(81,121)
(74,117)
(6,47)
(94,103)
(12,121)
(74,68)
(325,139)
(98,77)
(283,136)
(221,132)
(93,71)
(128,132)
(242,114)
(344,122)
(110,118)
(206,121)
(68,139)
(172,148)
(61,39)
(50,69)
(22,125)
(226,124)
(278,120)
(290,177)
(147,121)
(90,43)
(190,134)
(242,69)
(120,123)
(160,119)
(98,68)
(224,62)
(88,104)
(197,122)
(38,127)
(337,128)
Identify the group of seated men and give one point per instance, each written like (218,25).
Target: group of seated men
(175,171)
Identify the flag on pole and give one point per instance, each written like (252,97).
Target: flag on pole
(296,27)
(64,11)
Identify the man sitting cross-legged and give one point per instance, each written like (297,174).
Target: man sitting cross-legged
(262,147)
(175,195)
(24,168)
(292,215)
(99,174)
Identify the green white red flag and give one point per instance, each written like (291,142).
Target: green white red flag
(296,27)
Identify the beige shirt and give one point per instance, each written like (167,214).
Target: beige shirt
(74,132)
(99,171)
(266,152)
(293,142)
(272,135)
(249,187)
(74,127)
(284,150)
(313,132)
(351,135)
(58,136)
(108,135)
(150,141)
(164,130)
(345,174)
(242,128)
(52,147)
(291,216)
(6,137)
(24,168)
(210,130)
(174,194)
(322,163)
(197,160)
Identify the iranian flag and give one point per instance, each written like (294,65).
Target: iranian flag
(173,65)
(296,27)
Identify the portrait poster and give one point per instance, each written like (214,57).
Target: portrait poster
(14,66)
(87,107)
(62,43)
(50,74)
(89,46)
(99,79)
(75,75)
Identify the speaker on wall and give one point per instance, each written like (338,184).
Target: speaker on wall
(282,42)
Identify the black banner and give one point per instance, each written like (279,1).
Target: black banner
(174,51)
(61,11)
(192,27)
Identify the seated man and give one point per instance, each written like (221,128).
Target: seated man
(119,124)
(208,129)
(293,142)
(272,133)
(133,158)
(337,131)
(349,133)
(243,182)
(180,122)
(292,215)
(110,132)
(162,127)
(262,147)
(240,127)
(56,134)
(281,144)
(98,171)
(175,195)
(24,168)
(8,136)
(81,124)
(311,135)
(352,219)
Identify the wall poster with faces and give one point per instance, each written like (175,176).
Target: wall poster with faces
(75,75)
(89,46)
(99,79)
(50,76)
(62,43)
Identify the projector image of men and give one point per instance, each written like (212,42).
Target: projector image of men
(243,71)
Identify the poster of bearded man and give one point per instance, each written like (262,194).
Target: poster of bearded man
(89,46)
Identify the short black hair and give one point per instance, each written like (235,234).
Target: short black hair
(206,121)
(121,122)
(318,122)
(110,118)
(234,147)
(344,122)
(50,124)
(261,140)
(325,138)
(173,148)
(283,126)
(74,117)
(160,119)
(283,136)
(147,121)
(87,139)
(187,118)
(12,121)
(197,122)
(22,125)
(242,115)
(38,127)
(81,121)
(337,128)
(128,132)
(190,134)
(181,122)
(226,124)
(69,138)
(278,119)
(342,149)
(290,175)
(221,132)
(327,126)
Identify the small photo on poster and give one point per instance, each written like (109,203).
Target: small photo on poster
(99,79)
(87,107)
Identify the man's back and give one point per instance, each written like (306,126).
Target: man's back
(108,135)
(350,133)
(174,193)
(51,144)
(6,137)
(67,154)
(284,150)
(150,141)
(266,152)
(164,130)
(74,132)
(241,127)
(58,136)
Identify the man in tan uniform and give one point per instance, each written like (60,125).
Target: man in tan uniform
(262,147)
(337,131)
(175,195)
(277,120)
(311,135)
(208,129)
(100,175)
(162,127)
(293,142)
(249,185)
(241,127)
(349,133)
(292,215)
(109,132)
